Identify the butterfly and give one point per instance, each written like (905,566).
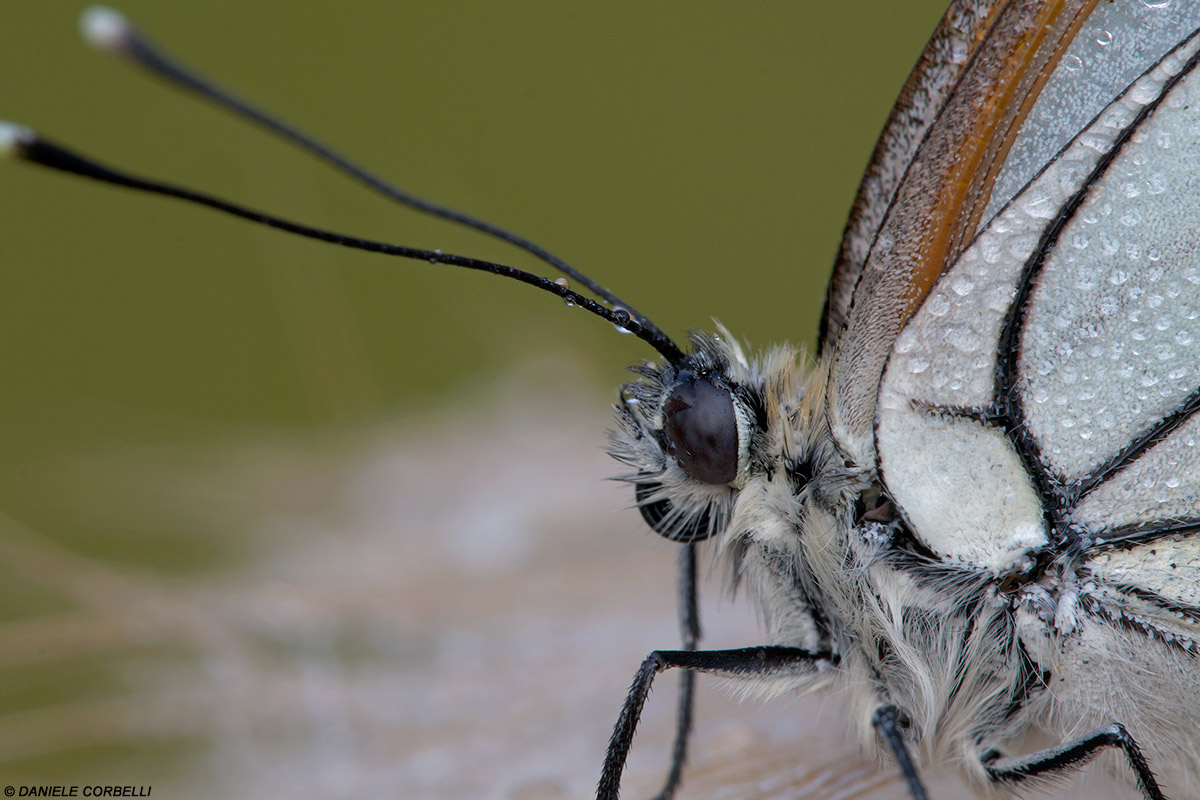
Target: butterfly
(974,513)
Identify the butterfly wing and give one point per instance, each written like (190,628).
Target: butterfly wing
(921,100)
(1055,362)
(937,205)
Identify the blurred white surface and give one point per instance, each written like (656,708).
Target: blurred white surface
(448,609)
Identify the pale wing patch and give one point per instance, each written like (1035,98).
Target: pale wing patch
(1118,42)
(1170,568)
(964,491)
(1159,486)
(1111,343)
(946,355)
(1154,587)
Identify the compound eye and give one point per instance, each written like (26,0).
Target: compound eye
(701,429)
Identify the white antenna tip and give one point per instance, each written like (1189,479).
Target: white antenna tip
(13,137)
(104,29)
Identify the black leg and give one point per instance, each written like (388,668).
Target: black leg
(689,625)
(1073,755)
(887,722)
(750,662)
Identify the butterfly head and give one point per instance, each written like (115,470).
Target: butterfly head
(701,432)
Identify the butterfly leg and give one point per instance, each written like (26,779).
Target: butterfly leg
(745,663)
(886,720)
(689,628)
(1073,755)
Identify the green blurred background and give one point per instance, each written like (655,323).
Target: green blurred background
(699,159)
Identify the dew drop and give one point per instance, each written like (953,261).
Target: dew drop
(1131,218)
(918,364)
(962,285)
(1143,93)
(623,319)
(938,304)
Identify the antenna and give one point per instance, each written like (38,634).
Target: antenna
(18,141)
(109,32)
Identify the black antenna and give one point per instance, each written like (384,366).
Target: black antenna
(110,32)
(17,141)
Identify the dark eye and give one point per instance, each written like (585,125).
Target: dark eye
(701,429)
(658,516)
